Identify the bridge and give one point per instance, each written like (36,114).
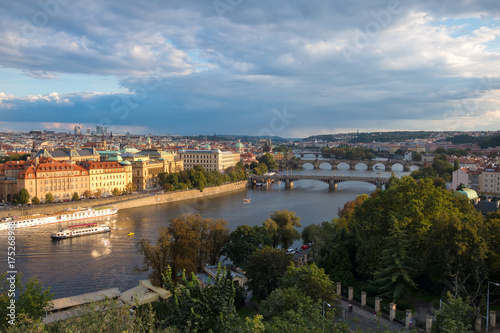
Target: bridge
(370,164)
(332,181)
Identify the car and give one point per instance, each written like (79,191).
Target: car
(291,251)
(304,247)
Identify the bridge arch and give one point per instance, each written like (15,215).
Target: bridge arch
(397,166)
(343,166)
(325,165)
(310,164)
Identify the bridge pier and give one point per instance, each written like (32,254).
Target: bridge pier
(332,185)
(288,184)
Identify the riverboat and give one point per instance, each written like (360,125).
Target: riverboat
(80,230)
(71,214)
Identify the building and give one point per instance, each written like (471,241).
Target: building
(145,172)
(107,176)
(68,154)
(489,181)
(209,160)
(47,175)
(77,130)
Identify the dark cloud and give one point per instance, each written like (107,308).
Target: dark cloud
(195,67)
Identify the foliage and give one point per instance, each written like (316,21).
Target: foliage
(116,192)
(264,270)
(260,169)
(22,197)
(194,309)
(417,157)
(336,253)
(312,281)
(31,301)
(98,193)
(393,279)
(348,153)
(130,187)
(311,234)
(455,316)
(75,197)
(268,160)
(14,157)
(200,178)
(35,201)
(186,244)
(281,225)
(244,241)
(86,194)
(49,198)
(285,299)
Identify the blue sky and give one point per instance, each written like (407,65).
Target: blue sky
(286,68)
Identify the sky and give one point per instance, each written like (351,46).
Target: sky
(284,68)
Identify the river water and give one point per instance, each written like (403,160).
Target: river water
(91,263)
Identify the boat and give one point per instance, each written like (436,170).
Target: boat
(80,230)
(247,200)
(71,214)
(130,234)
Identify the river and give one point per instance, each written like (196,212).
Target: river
(91,263)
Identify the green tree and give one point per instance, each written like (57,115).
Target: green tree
(75,197)
(116,192)
(311,234)
(49,198)
(131,187)
(264,270)
(35,201)
(244,241)
(22,197)
(312,281)
(86,194)
(260,169)
(268,160)
(394,278)
(281,225)
(454,316)
(31,302)
(456,165)
(192,308)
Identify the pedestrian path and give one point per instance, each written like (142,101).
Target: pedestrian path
(366,320)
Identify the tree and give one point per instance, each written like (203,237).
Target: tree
(260,169)
(186,244)
(86,194)
(130,187)
(195,309)
(312,281)
(311,234)
(98,193)
(454,316)
(116,192)
(75,197)
(244,241)
(22,197)
(264,270)
(394,278)
(35,201)
(456,165)
(31,302)
(49,198)
(281,226)
(268,160)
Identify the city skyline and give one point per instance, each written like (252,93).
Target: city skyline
(283,69)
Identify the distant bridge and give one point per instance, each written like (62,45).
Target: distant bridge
(370,164)
(332,181)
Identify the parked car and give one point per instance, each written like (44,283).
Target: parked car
(291,251)
(304,247)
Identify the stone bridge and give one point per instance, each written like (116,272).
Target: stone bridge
(371,164)
(332,181)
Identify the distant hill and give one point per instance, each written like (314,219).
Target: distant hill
(374,136)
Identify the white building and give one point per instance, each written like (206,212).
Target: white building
(208,159)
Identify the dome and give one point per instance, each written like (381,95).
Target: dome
(470,194)
(161,159)
(238,145)
(208,147)
(125,163)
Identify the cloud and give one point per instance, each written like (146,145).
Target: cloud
(183,68)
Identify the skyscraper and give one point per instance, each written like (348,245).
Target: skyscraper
(77,130)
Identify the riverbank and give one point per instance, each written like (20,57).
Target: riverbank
(128,201)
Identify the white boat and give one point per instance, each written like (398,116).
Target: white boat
(247,200)
(80,230)
(65,216)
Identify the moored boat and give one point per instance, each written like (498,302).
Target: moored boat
(65,216)
(80,230)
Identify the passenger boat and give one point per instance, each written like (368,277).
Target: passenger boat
(65,216)
(80,230)
(247,200)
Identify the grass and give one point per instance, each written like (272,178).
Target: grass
(243,313)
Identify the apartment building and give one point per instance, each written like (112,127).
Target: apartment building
(489,181)
(209,160)
(107,176)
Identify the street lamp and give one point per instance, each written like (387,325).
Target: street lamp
(488,305)
(324,302)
